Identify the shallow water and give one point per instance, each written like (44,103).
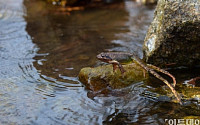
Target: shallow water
(43,48)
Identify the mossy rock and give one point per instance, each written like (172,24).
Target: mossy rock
(64,2)
(147,2)
(191,92)
(191,119)
(103,76)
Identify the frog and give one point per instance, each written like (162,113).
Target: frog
(116,58)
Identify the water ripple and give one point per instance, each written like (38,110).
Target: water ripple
(16,67)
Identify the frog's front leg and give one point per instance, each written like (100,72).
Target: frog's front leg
(115,64)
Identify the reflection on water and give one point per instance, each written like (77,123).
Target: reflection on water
(71,42)
(41,55)
(17,51)
(139,18)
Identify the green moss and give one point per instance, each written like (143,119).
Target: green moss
(104,76)
(63,2)
(192,117)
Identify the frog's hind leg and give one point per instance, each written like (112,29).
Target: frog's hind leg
(164,72)
(167,83)
(151,69)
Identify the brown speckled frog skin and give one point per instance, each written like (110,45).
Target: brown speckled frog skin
(115,58)
(118,56)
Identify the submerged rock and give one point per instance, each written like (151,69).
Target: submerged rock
(68,2)
(63,2)
(174,35)
(147,2)
(100,77)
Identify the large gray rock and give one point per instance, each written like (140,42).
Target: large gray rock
(174,35)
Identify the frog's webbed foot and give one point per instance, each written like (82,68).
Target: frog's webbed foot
(115,64)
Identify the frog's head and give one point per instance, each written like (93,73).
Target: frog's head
(104,57)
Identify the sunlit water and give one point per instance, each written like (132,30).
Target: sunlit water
(42,49)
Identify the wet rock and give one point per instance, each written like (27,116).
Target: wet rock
(174,35)
(103,76)
(192,119)
(65,2)
(147,2)
(191,93)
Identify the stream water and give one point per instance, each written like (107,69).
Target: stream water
(42,49)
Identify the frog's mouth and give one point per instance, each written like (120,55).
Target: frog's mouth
(103,58)
(99,56)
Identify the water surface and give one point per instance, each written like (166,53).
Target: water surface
(42,49)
